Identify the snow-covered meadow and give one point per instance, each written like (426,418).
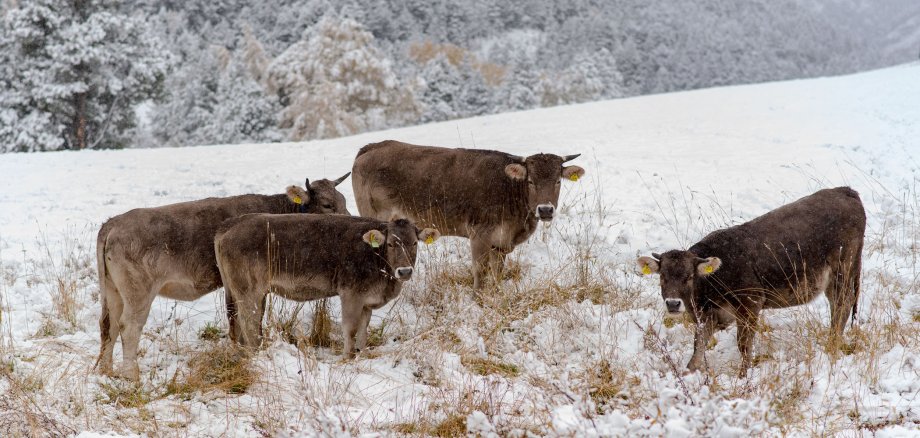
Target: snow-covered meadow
(575,345)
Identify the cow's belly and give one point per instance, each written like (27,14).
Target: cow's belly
(185,289)
(800,293)
(303,289)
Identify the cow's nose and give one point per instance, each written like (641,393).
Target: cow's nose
(545,211)
(403,273)
(673,305)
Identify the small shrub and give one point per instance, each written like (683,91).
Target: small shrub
(210,332)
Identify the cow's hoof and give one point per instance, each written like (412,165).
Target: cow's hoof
(130,372)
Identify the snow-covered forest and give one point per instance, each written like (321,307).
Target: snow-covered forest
(148,73)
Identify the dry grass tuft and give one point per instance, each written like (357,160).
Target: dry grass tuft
(124,394)
(321,327)
(606,384)
(64,268)
(222,367)
(485,366)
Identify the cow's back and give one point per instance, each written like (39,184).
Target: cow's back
(177,240)
(794,242)
(451,189)
(296,246)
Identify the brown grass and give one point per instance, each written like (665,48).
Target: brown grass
(221,367)
(485,366)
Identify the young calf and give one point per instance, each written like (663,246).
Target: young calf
(781,259)
(364,261)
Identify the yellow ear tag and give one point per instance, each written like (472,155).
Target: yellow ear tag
(709,269)
(429,240)
(374,243)
(573,177)
(646,270)
(297,200)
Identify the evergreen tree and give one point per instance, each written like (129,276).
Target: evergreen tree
(74,70)
(336,82)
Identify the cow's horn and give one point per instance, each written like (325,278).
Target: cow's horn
(307,183)
(570,157)
(342,178)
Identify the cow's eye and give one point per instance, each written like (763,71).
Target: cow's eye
(327,206)
(531,182)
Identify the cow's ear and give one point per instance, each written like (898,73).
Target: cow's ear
(298,195)
(516,171)
(707,266)
(374,238)
(572,173)
(648,265)
(429,235)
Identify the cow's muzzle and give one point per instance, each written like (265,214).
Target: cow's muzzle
(403,274)
(545,212)
(674,305)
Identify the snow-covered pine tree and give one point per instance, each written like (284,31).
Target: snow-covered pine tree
(215,100)
(336,82)
(73,71)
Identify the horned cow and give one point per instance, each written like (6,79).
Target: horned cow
(362,260)
(493,198)
(169,251)
(781,259)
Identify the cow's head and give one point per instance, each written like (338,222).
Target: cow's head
(542,173)
(399,245)
(319,197)
(679,272)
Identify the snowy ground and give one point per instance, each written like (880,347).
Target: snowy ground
(577,346)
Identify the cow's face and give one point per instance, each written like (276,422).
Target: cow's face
(679,272)
(399,245)
(321,197)
(543,174)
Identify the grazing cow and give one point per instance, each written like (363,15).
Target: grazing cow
(169,251)
(493,198)
(362,260)
(781,259)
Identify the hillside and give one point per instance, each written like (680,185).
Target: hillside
(576,346)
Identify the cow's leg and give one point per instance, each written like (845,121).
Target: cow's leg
(109,325)
(362,329)
(705,327)
(250,308)
(747,329)
(841,294)
(133,317)
(481,251)
(352,309)
(233,326)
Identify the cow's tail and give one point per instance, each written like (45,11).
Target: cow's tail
(229,302)
(857,279)
(104,319)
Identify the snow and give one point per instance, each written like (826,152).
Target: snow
(662,171)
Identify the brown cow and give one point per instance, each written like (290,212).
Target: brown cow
(781,259)
(169,251)
(493,198)
(362,260)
